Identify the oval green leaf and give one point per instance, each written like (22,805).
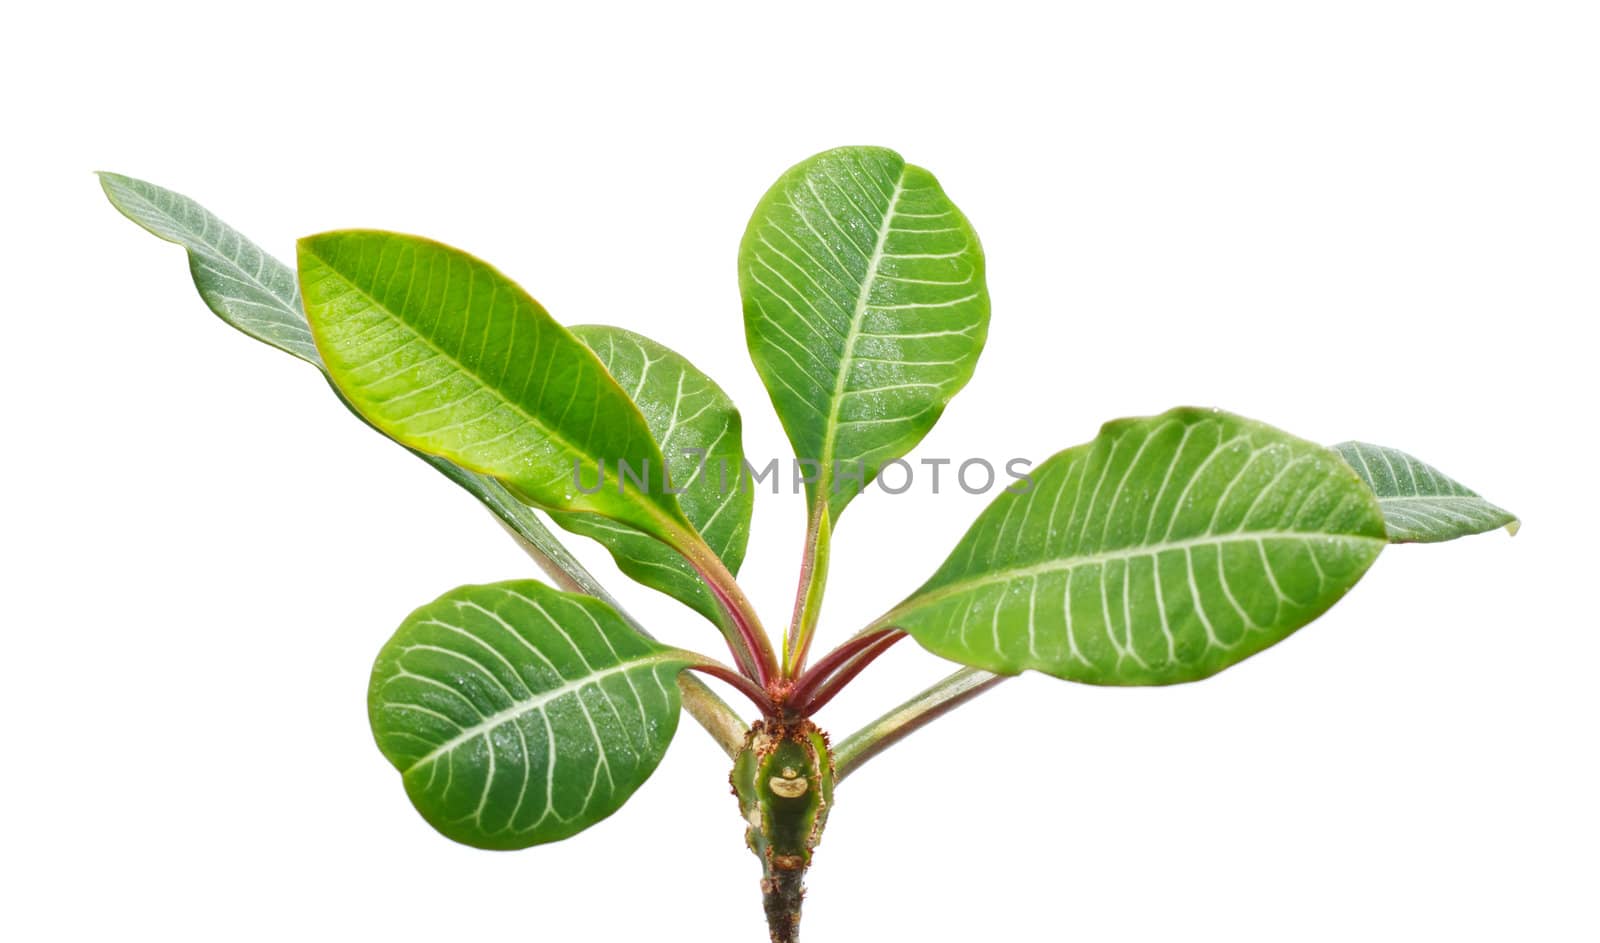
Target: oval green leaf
(1421,504)
(447,355)
(700,434)
(518,715)
(1164,551)
(865,310)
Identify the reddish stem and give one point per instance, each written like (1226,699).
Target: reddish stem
(740,683)
(830,662)
(797,643)
(755,660)
(827,690)
(846,661)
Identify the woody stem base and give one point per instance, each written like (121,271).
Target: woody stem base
(783,779)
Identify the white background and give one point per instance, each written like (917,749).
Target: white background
(1372,220)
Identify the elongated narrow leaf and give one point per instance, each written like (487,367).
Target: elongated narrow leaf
(242,284)
(256,293)
(1164,551)
(1420,504)
(448,356)
(699,431)
(519,715)
(865,309)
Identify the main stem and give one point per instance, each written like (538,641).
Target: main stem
(784,782)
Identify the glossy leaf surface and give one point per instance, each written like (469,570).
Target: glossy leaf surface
(447,355)
(517,714)
(1166,550)
(865,309)
(1421,504)
(700,434)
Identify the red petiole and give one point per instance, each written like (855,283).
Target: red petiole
(743,685)
(835,669)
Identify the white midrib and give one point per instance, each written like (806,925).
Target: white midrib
(537,702)
(825,473)
(1106,556)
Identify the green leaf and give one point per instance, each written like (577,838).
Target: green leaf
(1166,550)
(240,283)
(1420,504)
(274,316)
(699,431)
(864,307)
(517,714)
(447,355)
(142,201)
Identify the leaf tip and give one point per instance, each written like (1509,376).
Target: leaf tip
(109,183)
(1513,526)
